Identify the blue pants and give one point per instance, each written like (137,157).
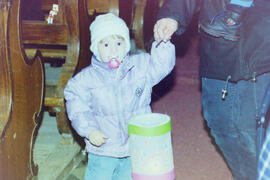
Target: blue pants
(232,121)
(264,159)
(107,168)
(244,3)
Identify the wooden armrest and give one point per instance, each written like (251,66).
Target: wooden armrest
(51,100)
(37,32)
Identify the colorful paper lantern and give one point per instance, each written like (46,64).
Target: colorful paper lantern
(150,147)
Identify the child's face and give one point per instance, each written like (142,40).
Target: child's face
(112,47)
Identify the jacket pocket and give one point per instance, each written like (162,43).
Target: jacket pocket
(219,58)
(256,43)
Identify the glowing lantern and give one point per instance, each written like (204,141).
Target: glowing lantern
(150,147)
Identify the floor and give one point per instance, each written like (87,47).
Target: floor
(195,155)
(55,155)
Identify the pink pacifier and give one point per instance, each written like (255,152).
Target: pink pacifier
(113,63)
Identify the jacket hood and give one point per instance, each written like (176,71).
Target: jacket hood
(106,25)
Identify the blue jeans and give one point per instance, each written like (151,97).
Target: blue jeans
(107,168)
(244,3)
(232,121)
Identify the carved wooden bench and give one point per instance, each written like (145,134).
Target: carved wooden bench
(21,98)
(69,36)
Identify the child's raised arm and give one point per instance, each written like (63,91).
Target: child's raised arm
(161,62)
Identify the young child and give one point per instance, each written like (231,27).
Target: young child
(227,24)
(105,95)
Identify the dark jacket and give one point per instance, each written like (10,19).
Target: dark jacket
(244,59)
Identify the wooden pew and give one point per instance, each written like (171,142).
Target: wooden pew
(70,31)
(21,98)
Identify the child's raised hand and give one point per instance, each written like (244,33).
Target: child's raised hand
(97,138)
(164,29)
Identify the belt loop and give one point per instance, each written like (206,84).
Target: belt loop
(254,80)
(254,77)
(225,91)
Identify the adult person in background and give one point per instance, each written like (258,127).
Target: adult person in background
(234,69)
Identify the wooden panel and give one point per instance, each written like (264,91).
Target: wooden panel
(50,97)
(5,77)
(103,6)
(46,5)
(126,11)
(73,32)
(16,146)
(47,53)
(84,22)
(137,26)
(40,33)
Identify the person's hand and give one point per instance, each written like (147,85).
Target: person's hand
(97,138)
(164,29)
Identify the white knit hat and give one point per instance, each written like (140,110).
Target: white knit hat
(106,25)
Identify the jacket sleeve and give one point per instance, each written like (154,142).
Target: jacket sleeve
(78,100)
(180,10)
(161,61)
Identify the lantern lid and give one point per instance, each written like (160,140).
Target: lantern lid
(152,124)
